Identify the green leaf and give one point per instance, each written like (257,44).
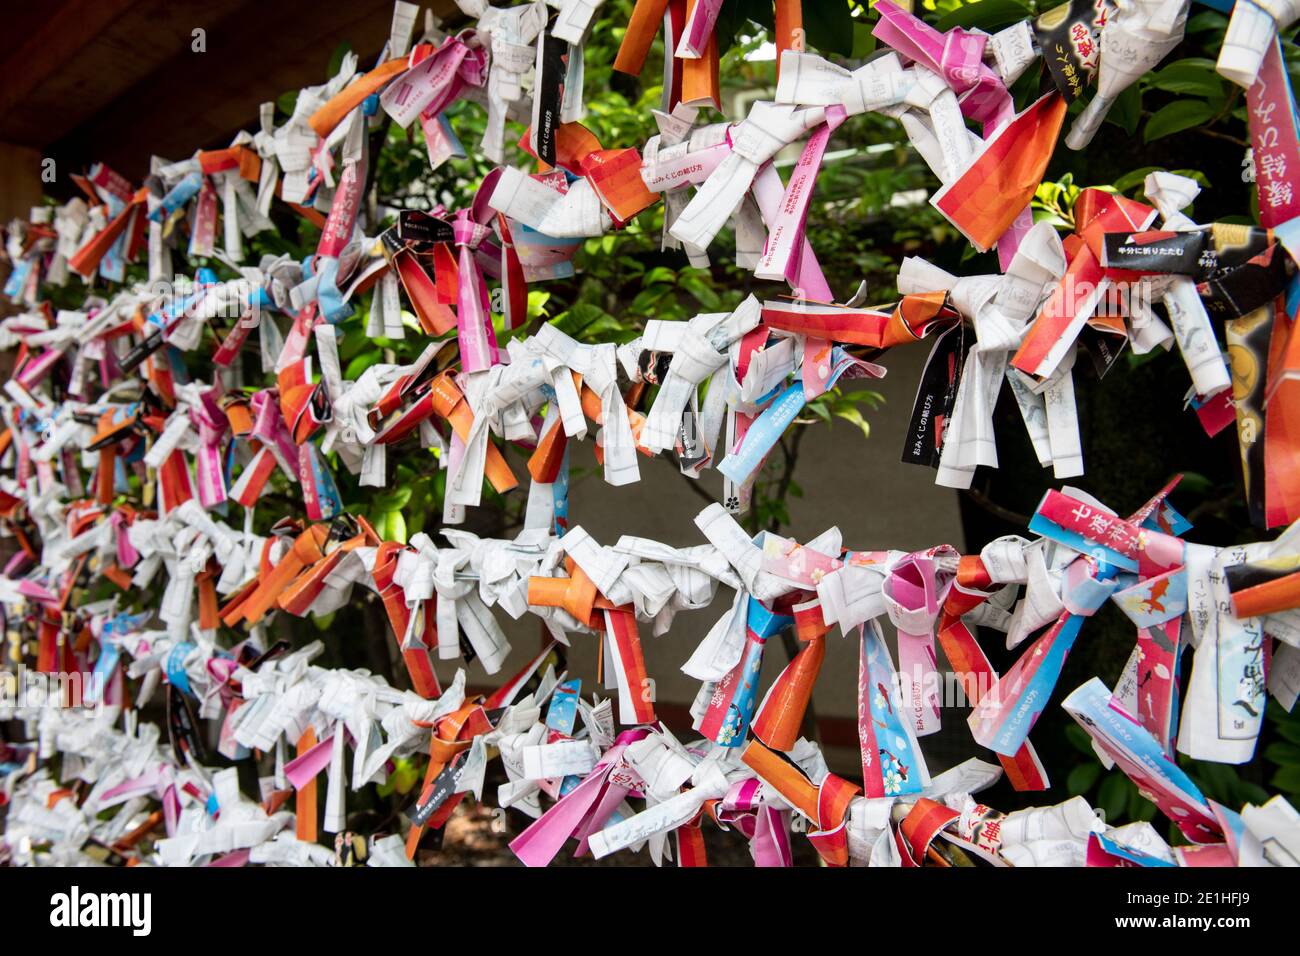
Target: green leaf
(1127,111)
(987,15)
(1248,792)
(1206,20)
(583,319)
(362,362)
(1112,798)
(760,11)
(1288,779)
(396,530)
(864,396)
(1193,76)
(829,26)
(1082,778)
(1077,736)
(1135,178)
(285,102)
(354,342)
(1176,117)
(405,775)
(864,41)
(394,500)
(1048,192)
(1288,755)
(537,300)
(1136,802)
(730,19)
(1195,483)
(1217,781)
(854,416)
(1146,811)
(703,293)
(1290,730)
(647,298)
(336,58)
(1201,178)
(1056,221)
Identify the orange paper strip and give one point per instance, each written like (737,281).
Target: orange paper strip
(986,199)
(641,31)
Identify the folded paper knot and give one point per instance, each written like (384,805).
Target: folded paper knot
(1133,41)
(1079,292)
(914,591)
(414,628)
(975,584)
(435,78)
(269,428)
(807,79)
(449,403)
(585,809)
(1171,193)
(768,128)
(1000,307)
(824,803)
(699,348)
(468,232)
(414,574)
(352,406)
(475,335)
(957,56)
(1252,31)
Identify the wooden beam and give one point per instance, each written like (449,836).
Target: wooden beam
(20,182)
(38,48)
(197,100)
(131,48)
